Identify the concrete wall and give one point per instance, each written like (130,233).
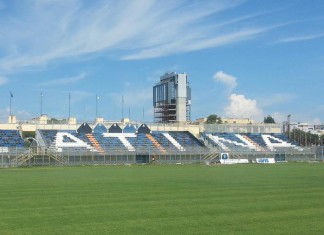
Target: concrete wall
(195,129)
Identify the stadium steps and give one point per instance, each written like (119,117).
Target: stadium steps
(23,158)
(95,143)
(58,157)
(214,154)
(156,144)
(255,145)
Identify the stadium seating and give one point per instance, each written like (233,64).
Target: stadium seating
(129,139)
(250,141)
(72,141)
(10,139)
(185,138)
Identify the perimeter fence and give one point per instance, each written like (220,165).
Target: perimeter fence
(15,157)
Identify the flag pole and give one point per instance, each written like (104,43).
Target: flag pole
(143,114)
(69,105)
(122,107)
(10,103)
(97,98)
(41,103)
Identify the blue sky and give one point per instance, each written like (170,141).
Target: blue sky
(248,58)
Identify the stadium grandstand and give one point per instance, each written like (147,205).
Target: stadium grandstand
(124,142)
(173,138)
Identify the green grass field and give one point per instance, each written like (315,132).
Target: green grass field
(177,199)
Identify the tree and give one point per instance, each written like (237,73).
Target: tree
(213,118)
(56,121)
(268,119)
(306,138)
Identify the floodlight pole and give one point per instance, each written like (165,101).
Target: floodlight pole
(122,107)
(41,103)
(97,98)
(69,105)
(143,114)
(10,103)
(84,113)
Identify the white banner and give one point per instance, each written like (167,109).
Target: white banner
(265,160)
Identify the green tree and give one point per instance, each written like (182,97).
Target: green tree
(306,138)
(56,121)
(269,119)
(213,118)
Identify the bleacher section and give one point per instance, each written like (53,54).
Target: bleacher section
(142,140)
(250,142)
(156,142)
(10,139)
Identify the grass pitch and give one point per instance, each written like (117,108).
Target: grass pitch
(191,199)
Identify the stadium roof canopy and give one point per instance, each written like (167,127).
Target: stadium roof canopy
(115,128)
(84,128)
(100,128)
(130,128)
(143,129)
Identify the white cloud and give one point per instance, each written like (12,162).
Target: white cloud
(227,79)
(301,38)
(315,121)
(194,41)
(64,81)
(22,115)
(277,98)
(3,80)
(279,117)
(46,31)
(241,107)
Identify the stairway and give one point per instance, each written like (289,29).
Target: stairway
(95,143)
(212,155)
(156,144)
(23,158)
(255,145)
(59,158)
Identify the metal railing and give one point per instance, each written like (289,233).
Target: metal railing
(15,157)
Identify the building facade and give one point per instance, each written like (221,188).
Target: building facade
(172,98)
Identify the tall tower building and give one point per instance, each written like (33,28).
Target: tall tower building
(172,98)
